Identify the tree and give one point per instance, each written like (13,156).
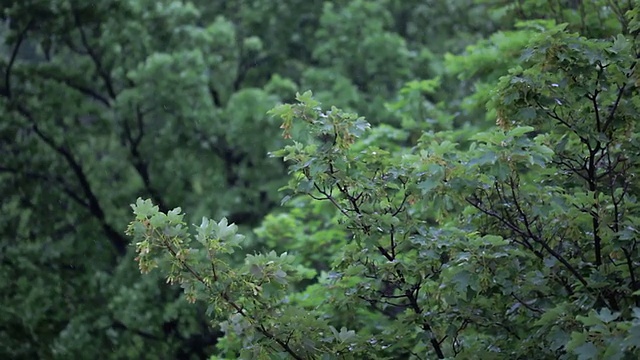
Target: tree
(518,241)
(94,100)
(107,101)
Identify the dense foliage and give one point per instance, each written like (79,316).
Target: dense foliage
(480,205)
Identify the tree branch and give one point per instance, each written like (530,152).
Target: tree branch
(7,91)
(102,73)
(239,309)
(117,240)
(139,164)
(85,90)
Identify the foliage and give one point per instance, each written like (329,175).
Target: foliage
(105,101)
(518,241)
(430,232)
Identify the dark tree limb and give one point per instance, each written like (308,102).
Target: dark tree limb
(7,91)
(102,72)
(137,160)
(85,90)
(118,241)
(48,179)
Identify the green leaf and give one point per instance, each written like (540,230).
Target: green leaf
(495,240)
(144,209)
(620,45)
(488,157)
(526,114)
(345,335)
(307,99)
(520,130)
(462,281)
(586,351)
(280,276)
(158,220)
(225,230)
(427,185)
(607,316)
(174,216)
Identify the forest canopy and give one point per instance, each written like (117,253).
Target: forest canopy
(344,179)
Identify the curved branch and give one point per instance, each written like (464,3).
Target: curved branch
(14,55)
(540,241)
(48,179)
(138,162)
(85,90)
(104,75)
(117,240)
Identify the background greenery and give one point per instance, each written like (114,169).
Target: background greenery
(500,140)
